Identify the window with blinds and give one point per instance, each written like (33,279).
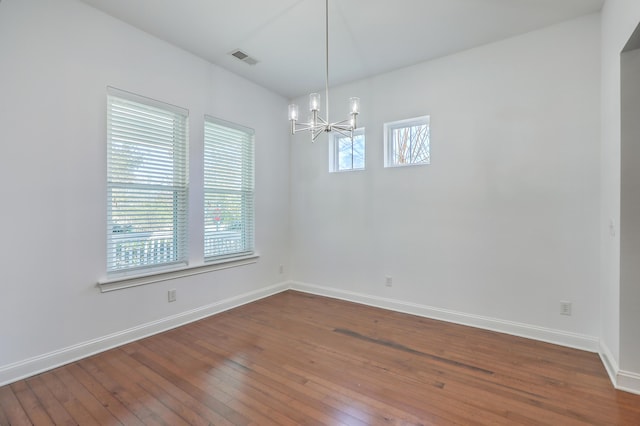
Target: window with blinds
(147,185)
(228,189)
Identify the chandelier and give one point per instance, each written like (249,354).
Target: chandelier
(316,124)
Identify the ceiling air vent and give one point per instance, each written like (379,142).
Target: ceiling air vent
(239,54)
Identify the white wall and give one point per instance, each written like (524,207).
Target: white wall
(630,213)
(620,326)
(503,224)
(57,58)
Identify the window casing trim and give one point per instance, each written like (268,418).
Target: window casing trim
(228,145)
(129,281)
(138,124)
(334,152)
(134,97)
(388,140)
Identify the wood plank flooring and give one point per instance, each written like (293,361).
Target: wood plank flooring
(294,359)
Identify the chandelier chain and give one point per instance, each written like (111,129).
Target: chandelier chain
(326,51)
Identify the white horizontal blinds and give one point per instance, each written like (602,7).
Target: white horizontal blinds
(146,183)
(228,189)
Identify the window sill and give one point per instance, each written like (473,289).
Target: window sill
(348,170)
(398,166)
(187,271)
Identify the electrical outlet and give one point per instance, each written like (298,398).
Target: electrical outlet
(172,295)
(388,281)
(565,308)
(281,269)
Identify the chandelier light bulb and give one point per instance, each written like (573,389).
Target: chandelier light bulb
(293,112)
(314,102)
(354,105)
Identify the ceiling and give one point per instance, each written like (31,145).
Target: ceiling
(366,37)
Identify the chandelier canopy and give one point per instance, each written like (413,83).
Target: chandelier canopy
(316,124)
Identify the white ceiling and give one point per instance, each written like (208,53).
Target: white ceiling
(367,37)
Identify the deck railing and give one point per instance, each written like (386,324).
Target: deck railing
(142,249)
(137,249)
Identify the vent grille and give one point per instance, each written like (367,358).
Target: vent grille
(242,56)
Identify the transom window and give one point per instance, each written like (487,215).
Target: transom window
(406,142)
(346,153)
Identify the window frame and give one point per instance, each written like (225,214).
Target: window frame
(246,192)
(389,143)
(334,151)
(129,130)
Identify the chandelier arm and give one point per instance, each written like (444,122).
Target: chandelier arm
(301,127)
(344,124)
(347,133)
(317,132)
(322,121)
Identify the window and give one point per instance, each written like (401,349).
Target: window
(406,142)
(228,189)
(146,183)
(346,153)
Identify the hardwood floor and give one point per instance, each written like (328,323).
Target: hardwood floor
(296,359)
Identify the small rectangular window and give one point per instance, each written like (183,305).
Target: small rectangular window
(228,189)
(346,153)
(406,142)
(146,183)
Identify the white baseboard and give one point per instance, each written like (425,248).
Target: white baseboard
(558,337)
(622,380)
(610,363)
(38,364)
(628,381)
